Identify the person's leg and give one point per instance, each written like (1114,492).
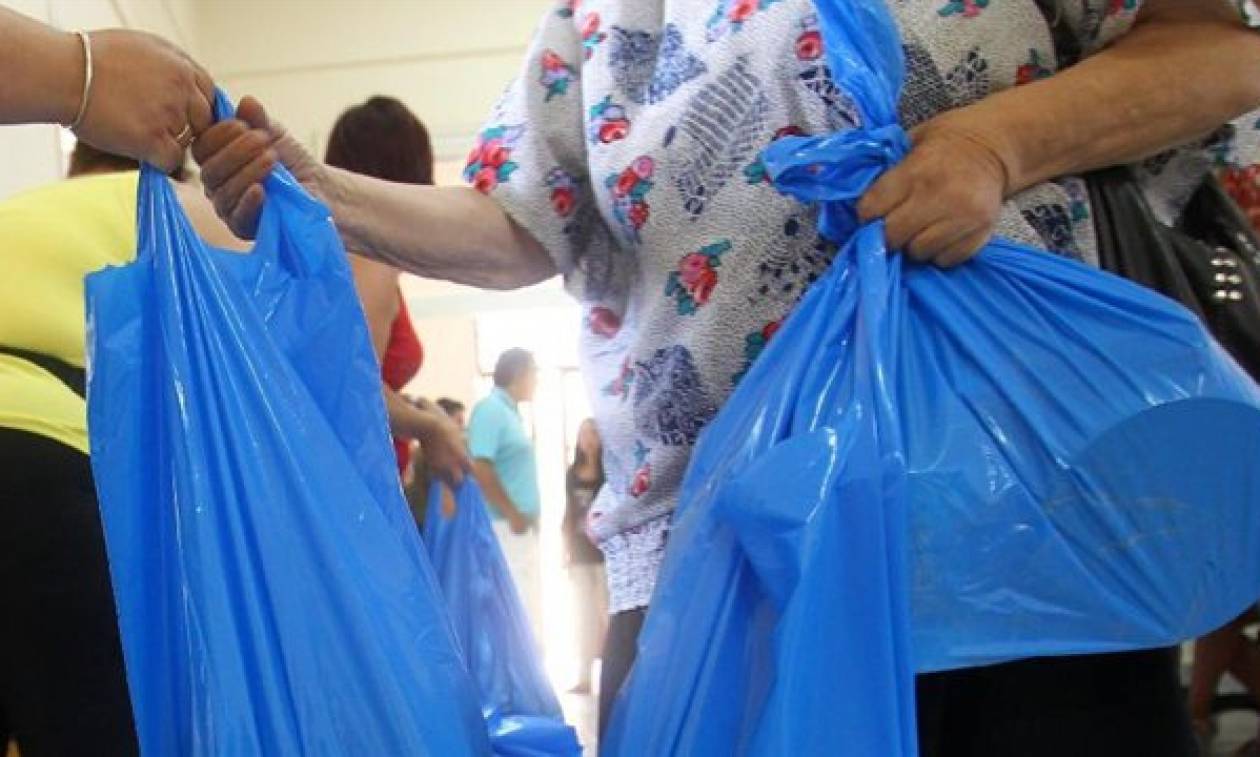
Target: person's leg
(63,687)
(530,580)
(1087,706)
(1213,655)
(581,576)
(520,551)
(599,611)
(619,652)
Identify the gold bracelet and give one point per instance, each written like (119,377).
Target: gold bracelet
(87,80)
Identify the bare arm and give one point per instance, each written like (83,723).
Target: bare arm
(498,497)
(1186,68)
(451,233)
(144,93)
(41,71)
(443,444)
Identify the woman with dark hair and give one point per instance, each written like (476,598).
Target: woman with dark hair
(383,139)
(586,562)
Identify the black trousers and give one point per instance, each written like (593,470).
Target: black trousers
(1112,705)
(63,690)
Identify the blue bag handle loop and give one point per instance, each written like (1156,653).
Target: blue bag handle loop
(158,207)
(864,53)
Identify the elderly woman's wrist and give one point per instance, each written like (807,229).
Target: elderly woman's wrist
(988,139)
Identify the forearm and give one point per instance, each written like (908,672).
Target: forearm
(406,421)
(451,233)
(1166,83)
(41,71)
(492,487)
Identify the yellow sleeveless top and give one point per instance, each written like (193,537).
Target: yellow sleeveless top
(50,238)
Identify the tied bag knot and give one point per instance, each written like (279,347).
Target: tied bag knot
(835,170)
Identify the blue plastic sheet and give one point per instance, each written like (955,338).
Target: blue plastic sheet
(931,469)
(521,709)
(274,597)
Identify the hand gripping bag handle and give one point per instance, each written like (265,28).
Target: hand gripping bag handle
(159,207)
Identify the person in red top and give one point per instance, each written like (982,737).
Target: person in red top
(382,138)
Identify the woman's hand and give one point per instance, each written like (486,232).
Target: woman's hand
(942,203)
(237,154)
(444,448)
(147,99)
(146,96)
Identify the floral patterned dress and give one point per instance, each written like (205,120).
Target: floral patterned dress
(628,146)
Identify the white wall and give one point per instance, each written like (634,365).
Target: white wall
(309,59)
(32,155)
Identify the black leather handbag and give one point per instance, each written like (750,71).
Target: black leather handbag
(1209,262)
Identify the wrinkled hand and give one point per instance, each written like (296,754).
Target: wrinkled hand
(444,449)
(942,203)
(237,154)
(144,92)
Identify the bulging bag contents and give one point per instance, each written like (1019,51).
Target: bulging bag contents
(274,597)
(930,469)
(522,713)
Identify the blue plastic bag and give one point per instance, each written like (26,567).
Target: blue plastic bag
(521,709)
(273,595)
(931,469)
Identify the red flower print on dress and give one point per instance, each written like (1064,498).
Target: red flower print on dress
(562,202)
(568,8)
(1120,7)
(964,8)
(731,15)
(639,214)
(495,154)
(564,196)
(556,74)
(590,24)
(755,343)
(620,386)
(629,195)
(485,181)
(809,46)
(490,161)
(742,10)
(642,480)
(692,285)
(1243,184)
(625,183)
(612,131)
(591,35)
(1033,70)
(607,122)
(603,322)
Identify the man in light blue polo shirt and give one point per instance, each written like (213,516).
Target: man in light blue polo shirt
(505,466)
